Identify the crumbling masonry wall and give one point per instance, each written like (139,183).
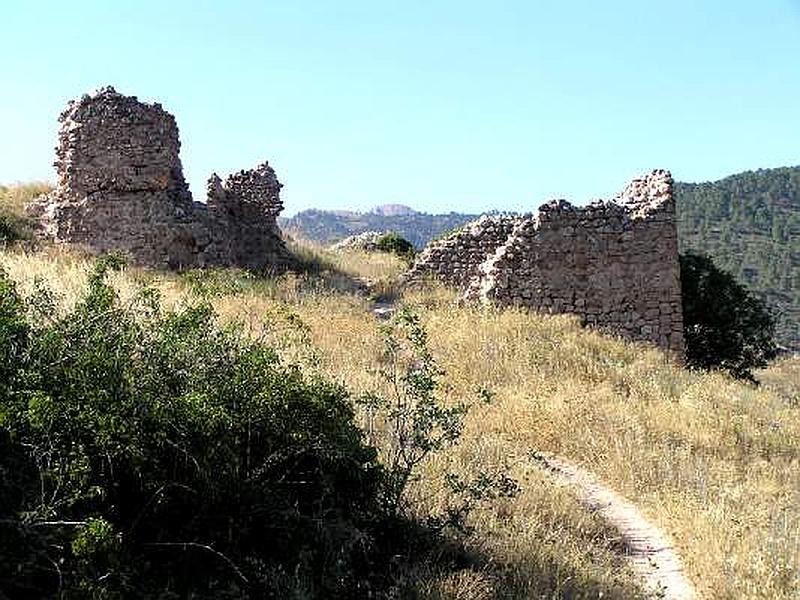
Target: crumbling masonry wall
(615,264)
(121,187)
(455,259)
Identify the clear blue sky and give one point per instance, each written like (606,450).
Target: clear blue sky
(443,105)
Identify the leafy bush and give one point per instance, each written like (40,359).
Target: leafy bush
(393,243)
(419,422)
(215,283)
(725,326)
(8,229)
(15,225)
(151,454)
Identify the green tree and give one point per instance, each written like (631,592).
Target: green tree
(749,224)
(396,244)
(725,326)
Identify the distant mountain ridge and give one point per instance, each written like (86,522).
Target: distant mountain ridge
(331,226)
(749,223)
(393,210)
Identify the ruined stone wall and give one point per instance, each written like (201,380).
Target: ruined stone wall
(455,259)
(615,264)
(121,187)
(247,205)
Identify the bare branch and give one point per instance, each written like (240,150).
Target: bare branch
(218,554)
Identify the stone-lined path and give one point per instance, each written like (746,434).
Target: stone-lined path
(650,550)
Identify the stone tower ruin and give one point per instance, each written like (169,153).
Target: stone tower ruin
(615,264)
(121,187)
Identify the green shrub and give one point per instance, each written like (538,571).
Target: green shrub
(15,225)
(725,326)
(152,454)
(216,283)
(395,244)
(13,228)
(419,422)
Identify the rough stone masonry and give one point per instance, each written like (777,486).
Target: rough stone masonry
(615,264)
(121,187)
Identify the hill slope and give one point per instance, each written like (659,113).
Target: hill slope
(749,224)
(711,461)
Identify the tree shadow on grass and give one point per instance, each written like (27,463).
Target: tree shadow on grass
(428,565)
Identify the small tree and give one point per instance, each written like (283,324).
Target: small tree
(725,326)
(396,244)
(419,422)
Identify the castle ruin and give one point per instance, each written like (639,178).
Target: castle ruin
(121,187)
(615,264)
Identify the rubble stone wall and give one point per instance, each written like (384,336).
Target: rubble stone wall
(455,259)
(121,187)
(615,264)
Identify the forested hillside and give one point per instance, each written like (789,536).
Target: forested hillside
(329,226)
(749,224)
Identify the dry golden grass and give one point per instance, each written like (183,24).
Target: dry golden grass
(65,273)
(783,378)
(13,198)
(714,462)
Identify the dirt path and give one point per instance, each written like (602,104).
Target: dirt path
(382,310)
(649,549)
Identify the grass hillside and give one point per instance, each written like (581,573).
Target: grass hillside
(714,462)
(749,224)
